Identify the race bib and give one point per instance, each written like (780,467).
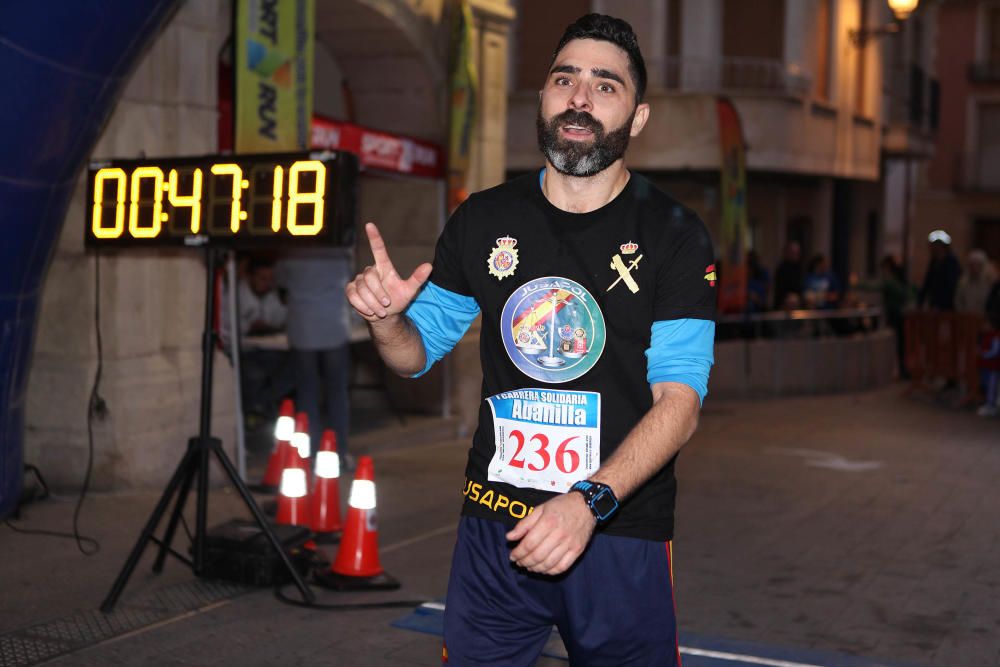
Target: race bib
(545,439)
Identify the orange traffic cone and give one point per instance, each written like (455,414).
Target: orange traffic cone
(357,566)
(293,494)
(325,500)
(283,430)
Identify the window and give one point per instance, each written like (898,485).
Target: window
(753,44)
(753,29)
(988,167)
(986,68)
(821,82)
(539,27)
(861,77)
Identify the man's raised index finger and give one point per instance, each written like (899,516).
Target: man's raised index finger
(380,254)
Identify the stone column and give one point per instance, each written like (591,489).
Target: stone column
(492,20)
(800,40)
(151,302)
(701,48)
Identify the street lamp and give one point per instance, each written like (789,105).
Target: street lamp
(901,10)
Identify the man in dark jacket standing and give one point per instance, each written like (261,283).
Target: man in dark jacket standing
(789,276)
(943,272)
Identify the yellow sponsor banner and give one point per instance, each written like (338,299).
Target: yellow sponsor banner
(274,75)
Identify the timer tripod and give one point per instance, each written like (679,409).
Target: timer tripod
(193,465)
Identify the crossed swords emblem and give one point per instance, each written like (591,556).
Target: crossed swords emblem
(625,273)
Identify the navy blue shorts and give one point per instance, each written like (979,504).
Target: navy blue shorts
(615,606)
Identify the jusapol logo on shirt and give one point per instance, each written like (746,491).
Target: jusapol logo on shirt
(552,329)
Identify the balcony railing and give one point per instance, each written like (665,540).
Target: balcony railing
(756,75)
(979,171)
(985,71)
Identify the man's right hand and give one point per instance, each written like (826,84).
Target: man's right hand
(378,292)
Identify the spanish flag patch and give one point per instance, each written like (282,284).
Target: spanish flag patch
(710,274)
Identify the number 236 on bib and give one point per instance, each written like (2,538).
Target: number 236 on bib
(545,439)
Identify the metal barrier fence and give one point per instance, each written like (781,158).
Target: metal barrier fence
(944,345)
(799,323)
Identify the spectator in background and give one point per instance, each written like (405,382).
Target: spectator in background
(820,287)
(975,284)
(943,273)
(319,339)
(264,375)
(758,282)
(788,276)
(993,302)
(897,296)
(989,364)
(260,307)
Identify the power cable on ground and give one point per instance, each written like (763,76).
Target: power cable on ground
(96,407)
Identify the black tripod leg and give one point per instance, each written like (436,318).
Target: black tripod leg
(175,518)
(262,521)
(201,506)
(183,468)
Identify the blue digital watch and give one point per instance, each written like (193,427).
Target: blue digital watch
(599,498)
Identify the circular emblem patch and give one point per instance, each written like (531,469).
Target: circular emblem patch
(553,329)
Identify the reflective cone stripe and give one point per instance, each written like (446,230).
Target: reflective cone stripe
(293,494)
(300,441)
(325,501)
(283,430)
(358,554)
(301,444)
(285,425)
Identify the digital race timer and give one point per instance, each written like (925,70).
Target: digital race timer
(232,200)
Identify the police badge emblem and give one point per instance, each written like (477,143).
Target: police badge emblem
(503,259)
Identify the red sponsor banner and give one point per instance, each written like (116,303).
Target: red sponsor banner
(733,180)
(379,150)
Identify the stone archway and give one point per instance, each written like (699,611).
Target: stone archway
(393,56)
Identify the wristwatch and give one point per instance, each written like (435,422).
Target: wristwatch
(599,497)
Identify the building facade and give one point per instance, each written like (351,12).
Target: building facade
(959,188)
(810,99)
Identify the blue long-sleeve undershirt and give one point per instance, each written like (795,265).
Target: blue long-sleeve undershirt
(680,350)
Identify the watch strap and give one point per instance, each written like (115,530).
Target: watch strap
(599,498)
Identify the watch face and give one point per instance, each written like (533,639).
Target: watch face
(604,504)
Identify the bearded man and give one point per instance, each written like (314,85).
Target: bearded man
(597,298)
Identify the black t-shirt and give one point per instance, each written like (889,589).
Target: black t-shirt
(568,301)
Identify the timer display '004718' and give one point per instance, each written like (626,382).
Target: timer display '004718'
(228,200)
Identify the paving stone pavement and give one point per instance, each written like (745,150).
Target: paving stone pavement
(900,562)
(864,524)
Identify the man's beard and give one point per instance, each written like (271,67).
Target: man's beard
(581,158)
